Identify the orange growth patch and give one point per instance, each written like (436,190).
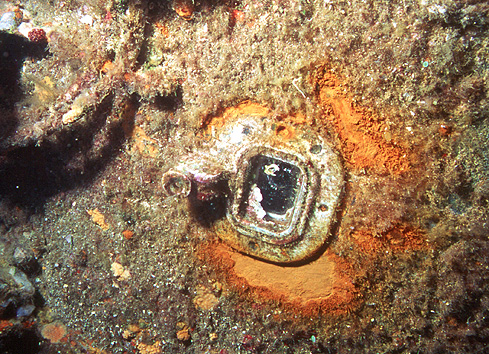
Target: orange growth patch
(128,234)
(361,133)
(5,324)
(210,123)
(54,332)
(238,16)
(108,66)
(184,8)
(98,218)
(285,131)
(155,348)
(163,29)
(285,128)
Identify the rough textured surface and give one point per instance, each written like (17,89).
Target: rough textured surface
(96,257)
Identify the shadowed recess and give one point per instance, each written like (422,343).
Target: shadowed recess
(74,157)
(14,49)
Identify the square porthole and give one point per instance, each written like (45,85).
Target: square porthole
(281,192)
(271,194)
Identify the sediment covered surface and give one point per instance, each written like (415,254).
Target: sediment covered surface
(99,99)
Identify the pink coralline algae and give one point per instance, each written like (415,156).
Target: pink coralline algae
(37,35)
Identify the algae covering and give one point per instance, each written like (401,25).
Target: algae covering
(101,251)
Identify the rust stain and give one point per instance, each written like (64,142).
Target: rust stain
(398,239)
(285,128)
(361,132)
(327,284)
(324,285)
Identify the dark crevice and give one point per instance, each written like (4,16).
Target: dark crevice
(14,49)
(29,175)
(170,102)
(20,342)
(208,202)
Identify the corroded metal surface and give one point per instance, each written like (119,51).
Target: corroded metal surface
(282,191)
